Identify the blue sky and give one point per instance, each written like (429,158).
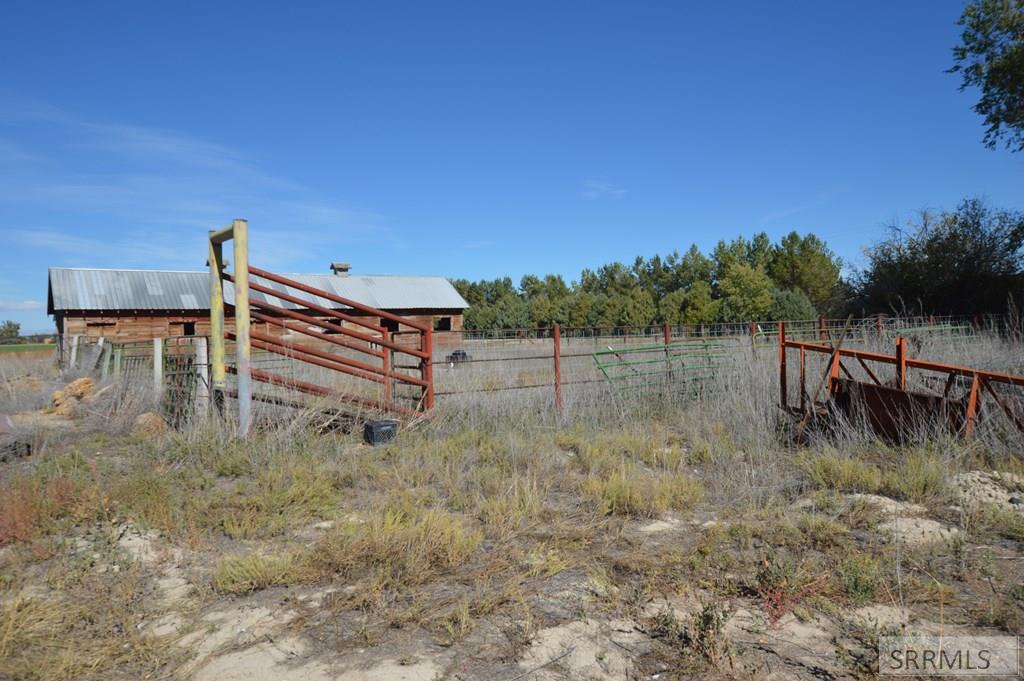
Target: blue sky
(471,139)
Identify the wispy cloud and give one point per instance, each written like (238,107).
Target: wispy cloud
(161,190)
(152,250)
(599,189)
(815,200)
(20,305)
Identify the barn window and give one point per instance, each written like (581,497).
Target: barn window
(390,325)
(442,323)
(188,329)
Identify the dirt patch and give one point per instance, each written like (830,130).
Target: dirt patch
(880,617)
(904,522)
(889,506)
(661,525)
(919,531)
(977,488)
(241,625)
(584,650)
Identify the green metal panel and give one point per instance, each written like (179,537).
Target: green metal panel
(688,368)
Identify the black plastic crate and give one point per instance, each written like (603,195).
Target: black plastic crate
(378,432)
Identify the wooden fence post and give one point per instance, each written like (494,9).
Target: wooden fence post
(557,339)
(158,364)
(243,348)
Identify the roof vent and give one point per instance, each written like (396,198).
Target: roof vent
(340,269)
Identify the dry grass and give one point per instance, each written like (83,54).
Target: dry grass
(632,491)
(469,523)
(244,574)
(396,547)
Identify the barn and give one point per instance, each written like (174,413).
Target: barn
(131,305)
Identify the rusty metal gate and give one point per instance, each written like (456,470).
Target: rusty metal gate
(348,338)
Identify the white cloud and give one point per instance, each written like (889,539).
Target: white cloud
(598,189)
(154,194)
(20,304)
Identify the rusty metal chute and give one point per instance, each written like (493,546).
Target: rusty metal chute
(349,336)
(891,407)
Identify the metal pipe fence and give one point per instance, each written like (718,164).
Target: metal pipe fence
(662,360)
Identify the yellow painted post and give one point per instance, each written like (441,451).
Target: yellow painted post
(240,230)
(217,373)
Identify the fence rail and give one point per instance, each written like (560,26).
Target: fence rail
(474,363)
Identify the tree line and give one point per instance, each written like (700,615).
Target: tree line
(965,261)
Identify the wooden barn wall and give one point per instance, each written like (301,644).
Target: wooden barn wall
(140,327)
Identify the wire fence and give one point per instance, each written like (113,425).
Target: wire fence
(680,360)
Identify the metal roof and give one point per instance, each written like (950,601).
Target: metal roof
(96,289)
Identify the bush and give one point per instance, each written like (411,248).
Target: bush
(830,471)
(632,491)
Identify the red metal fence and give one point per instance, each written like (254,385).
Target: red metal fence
(890,405)
(374,355)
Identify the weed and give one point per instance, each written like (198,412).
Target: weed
(919,477)
(996,520)
(237,574)
(821,532)
(458,622)
(861,577)
(398,547)
(31,507)
(782,584)
(631,491)
(844,474)
(702,636)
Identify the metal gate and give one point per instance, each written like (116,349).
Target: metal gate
(347,338)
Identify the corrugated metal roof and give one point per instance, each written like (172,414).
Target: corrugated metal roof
(94,289)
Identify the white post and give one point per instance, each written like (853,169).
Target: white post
(74,353)
(202,364)
(158,364)
(105,362)
(99,357)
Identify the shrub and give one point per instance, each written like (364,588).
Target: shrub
(401,547)
(919,477)
(243,574)
(635,492)
(830,471)
(861,577)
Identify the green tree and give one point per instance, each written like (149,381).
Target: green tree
(962,262)
(693,268)
(633,309)
(991,58)
(807,264)
(756,253)
(746,293)
(612,279)
(10,329)
(791,304)
(672,307)
(700,307)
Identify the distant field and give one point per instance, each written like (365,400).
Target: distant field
(27,347)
